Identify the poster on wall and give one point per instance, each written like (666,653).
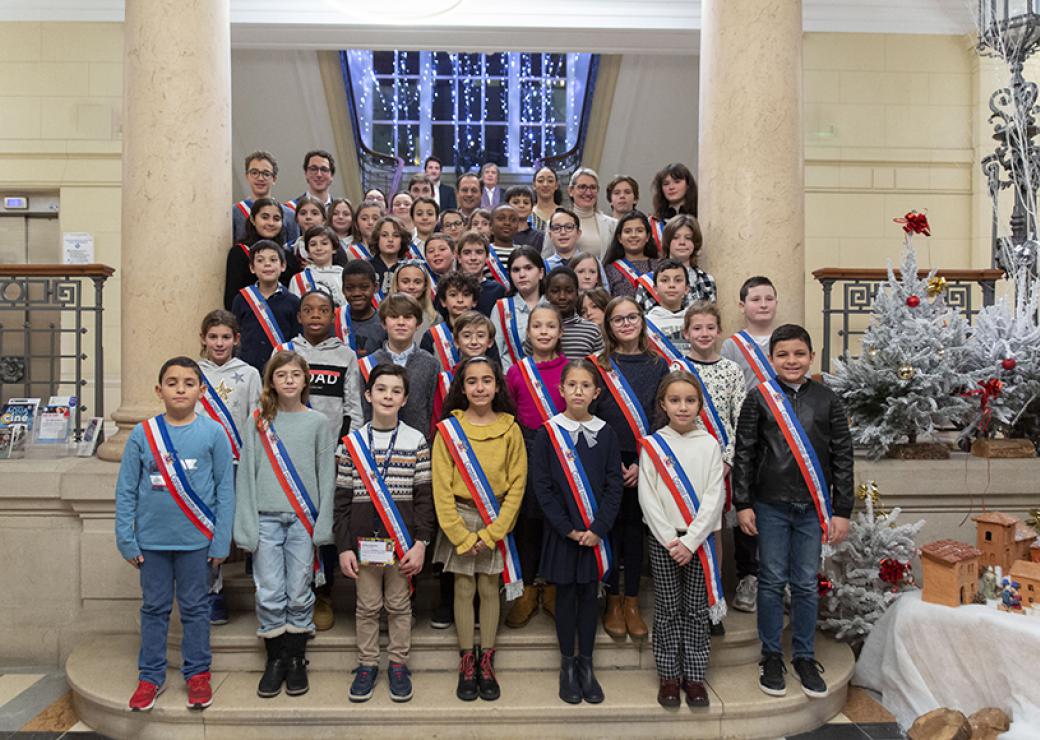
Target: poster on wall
(77,248)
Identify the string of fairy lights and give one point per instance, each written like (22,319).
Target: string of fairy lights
(468,99)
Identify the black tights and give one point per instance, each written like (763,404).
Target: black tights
(528,534)
(576,611)
(626,540)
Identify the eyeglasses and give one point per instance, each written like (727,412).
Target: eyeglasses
(562,228)
(585,187)
(452,225)
(632,318)
(265,174)
(315,170)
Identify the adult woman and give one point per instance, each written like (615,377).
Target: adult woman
(597,228)
(547,197)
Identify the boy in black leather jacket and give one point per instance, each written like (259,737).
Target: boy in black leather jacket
(792,486)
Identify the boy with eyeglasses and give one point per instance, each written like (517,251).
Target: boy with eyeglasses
(261,175)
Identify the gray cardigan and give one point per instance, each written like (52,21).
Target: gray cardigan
(422,368)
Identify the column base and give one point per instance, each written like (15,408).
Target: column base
(126,418)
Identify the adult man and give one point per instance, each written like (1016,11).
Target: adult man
(467,192)
(443,194)
(318,169)
(419,186)
(261,175)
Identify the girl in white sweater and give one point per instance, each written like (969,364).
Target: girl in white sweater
(682,497)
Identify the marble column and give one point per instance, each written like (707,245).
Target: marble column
(750,155)
(176,190)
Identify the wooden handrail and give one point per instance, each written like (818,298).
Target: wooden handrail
(880,273)
(92,270)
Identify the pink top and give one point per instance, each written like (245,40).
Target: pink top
(526,410)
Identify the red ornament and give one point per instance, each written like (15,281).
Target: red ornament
(987,391)
(913,301)
(823,585)
(1008,363)
(892,571)
(915,223)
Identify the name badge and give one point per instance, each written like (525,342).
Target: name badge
(375,551)
(156,479)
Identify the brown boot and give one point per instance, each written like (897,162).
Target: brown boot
(613,619)
(634,623)
(696,693)
(549,600)
(668,692)
(523,608)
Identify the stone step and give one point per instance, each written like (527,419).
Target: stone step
(236,647)
(102,675)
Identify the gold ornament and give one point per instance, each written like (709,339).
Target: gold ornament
(936,286)
(870,489)
(1033,520)
(906,371)
(872,353)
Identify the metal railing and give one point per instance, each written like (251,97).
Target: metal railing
(859,287)
(46,312)
(378,170)
(565,164)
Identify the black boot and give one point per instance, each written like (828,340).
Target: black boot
(487,684)
(296,678)
(570,691)
(276,668)
(467,690)
(591,691)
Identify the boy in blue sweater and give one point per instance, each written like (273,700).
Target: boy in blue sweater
(175,504)
(266,311)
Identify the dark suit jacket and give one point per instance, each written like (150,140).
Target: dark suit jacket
(447,196)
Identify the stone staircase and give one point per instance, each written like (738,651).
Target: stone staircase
(102,674)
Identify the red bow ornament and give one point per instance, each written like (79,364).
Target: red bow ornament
(915,223)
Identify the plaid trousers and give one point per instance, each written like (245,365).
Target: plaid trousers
(681,638)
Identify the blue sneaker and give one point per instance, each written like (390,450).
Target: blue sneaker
(364,683)
(400,682)
(218,613)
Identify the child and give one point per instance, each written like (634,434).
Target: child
(265,222)
(682,240)
(534,387)
(623,195)
(476,511)
(593,303)
(175,500)
(285,489)
(480,221)
(359,288)
(793,497)
(471,255)
(504,223)
(631,255)
(589,271)
(750,348)
(341,220)
(261,175)
(412,278)
(526,272)
(564,231)
(231,390)
(521,197)
(310,212)
(401,316)
(439,253)
(384,522)
(581,338)
(671,290)
(424,215)
(578,484)
(376,196)
(630,373)
(682,498)
(452,223)
(456,294)
(365,217)
(392,242)
(320,246)
(674,192)
(266,311)
(401,209)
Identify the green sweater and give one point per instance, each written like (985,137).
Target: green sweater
(309,441)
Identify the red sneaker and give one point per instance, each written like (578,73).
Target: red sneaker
(200,695)
(145,696)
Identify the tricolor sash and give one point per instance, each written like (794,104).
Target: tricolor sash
(291,205)
(342,328)
(710,416)
(685,496)
(476,482)
(444,346)
(444,379)
(375,484)
(289,346)
(497,269)
(244,207)
(377,298)
(804,453)
(662,345)
(626,398)
(217,410)
(657,232)
(263,313)
(304,281)
(636,279)
(245,249)
(290,483)
(366,364)
(175,477)
(581,489)
(755,356)
(537,388)
(506,308)
(358,251)
(416,252)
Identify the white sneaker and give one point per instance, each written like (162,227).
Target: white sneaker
(746,598)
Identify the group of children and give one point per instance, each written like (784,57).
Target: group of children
(448,393)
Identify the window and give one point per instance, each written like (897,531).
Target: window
(989,536)
(511,108)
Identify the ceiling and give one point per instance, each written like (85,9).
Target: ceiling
(609,26)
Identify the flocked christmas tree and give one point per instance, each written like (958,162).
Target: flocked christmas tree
(869,570)
(908,379)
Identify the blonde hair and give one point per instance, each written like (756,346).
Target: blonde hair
(269,396)
(705,308)
(426,303)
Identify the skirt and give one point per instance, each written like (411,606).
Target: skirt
(489,561)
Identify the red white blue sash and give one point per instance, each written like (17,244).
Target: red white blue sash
(506,309)
(244,207)
(497,269)
(366,364)
(710,416)
(342,328)
(304,281)
(537,388)
(290,483)
(636,278)
(262,311)
(416,252)
(444,346)
(175,477)
(685,496)
(626,398)
(245,249)
(754,356)
(375,484)
(484,499)
(291,205)
(804,453)
(377,298)
(444,379)
(218,411)
(358,251)
(580,487)
(289,346)
(657,232)
(662,345)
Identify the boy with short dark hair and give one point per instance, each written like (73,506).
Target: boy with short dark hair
(175,504)
(261,173)
(266,311)
(749,348)
(792,488)
(471,256)
(359,288)
(521,197)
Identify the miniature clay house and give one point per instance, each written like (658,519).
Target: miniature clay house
(951,572)
(1028,576)
(1034,552)
(1002,539)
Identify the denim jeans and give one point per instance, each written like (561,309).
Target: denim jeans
(789,543)
(162,573)
(283,570)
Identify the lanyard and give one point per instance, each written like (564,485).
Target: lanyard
(389,450)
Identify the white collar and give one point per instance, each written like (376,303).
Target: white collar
(593,425)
